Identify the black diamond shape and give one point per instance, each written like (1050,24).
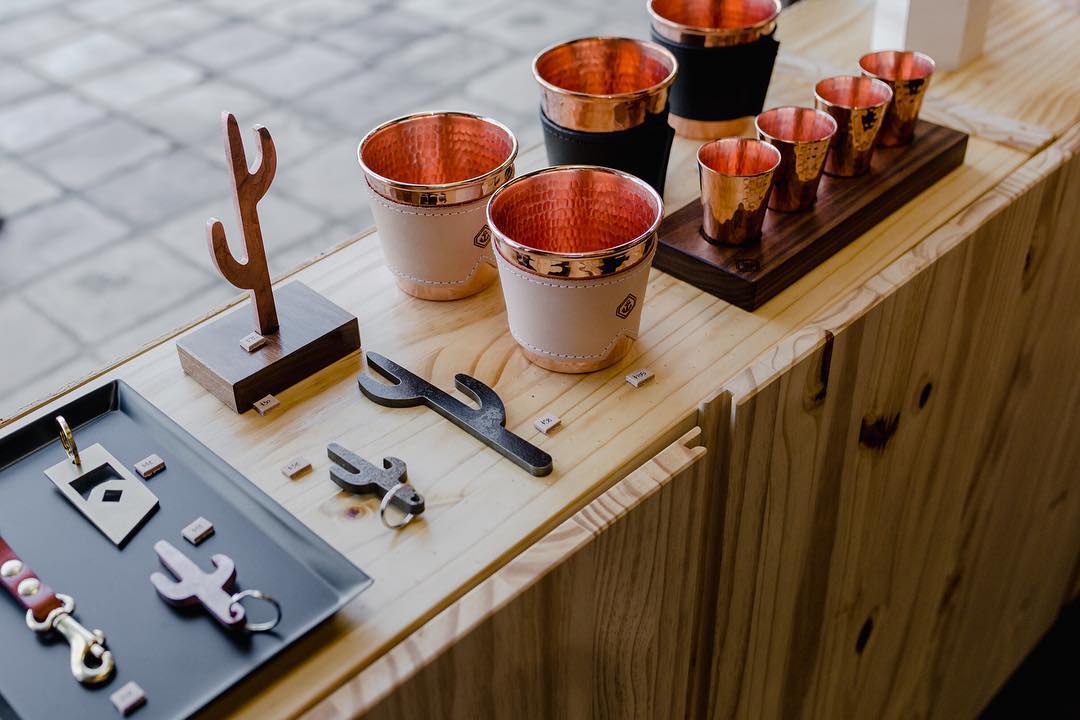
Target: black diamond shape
(111,495)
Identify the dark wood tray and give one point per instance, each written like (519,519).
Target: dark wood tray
(792,244)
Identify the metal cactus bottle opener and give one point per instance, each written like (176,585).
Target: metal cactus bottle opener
(354,474)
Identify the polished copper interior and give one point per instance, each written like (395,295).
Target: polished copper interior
(897,65)
(739,157)
(850,91)
(715,14)
(436,149)
(574,210)
(604,66)
(796,124)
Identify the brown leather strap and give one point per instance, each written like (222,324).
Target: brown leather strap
(14,572)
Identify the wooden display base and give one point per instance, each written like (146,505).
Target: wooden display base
(313,333)
(794,243)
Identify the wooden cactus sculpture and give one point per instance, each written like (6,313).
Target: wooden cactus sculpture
(251,272)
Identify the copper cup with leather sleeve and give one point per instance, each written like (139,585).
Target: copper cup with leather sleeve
(858,105)
(908,74)
(429,177)
(574,246)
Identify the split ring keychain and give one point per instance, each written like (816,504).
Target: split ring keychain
(193,586)
(354,474)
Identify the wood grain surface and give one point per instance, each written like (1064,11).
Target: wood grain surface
(793,243)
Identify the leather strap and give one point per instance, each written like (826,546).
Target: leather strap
(721,83)
(42,601)
(642,150)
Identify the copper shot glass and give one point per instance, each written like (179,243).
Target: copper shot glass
(908,74)
(736,176)
(858,105)
(574,246)
(802,135)
(429,176)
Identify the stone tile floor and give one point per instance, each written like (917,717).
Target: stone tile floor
(111,157)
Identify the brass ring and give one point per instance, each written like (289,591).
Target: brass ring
(67,439)
(259,595)
(386,503)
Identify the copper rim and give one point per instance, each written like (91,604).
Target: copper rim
(603,84)
(792,124)
(853,92)
(575,221)
(713,23)
(438,158)
(897,65)
(738,157)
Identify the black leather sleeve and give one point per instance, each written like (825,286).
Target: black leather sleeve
(642,151)
(721,83)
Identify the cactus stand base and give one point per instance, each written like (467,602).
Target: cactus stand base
(313,334)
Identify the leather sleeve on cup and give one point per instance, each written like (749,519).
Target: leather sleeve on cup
(721,83)
(642,151)
(573,319)
(433,246)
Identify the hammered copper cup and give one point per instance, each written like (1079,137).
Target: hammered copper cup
(574,245)
(429,176)
(908,74)
(858,106)
(736,176)
(802,135)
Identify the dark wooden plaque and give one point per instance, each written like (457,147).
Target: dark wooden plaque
(792,244)
(313,333)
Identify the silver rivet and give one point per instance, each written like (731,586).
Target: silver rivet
(29,587)
(11,568)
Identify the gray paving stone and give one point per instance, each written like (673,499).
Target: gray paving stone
(303,17)
(510,86)
(195,112)
(83,55)
(21,189)
(108,11)
(89,154)
(303,67)
(41,344)
(452,13)
(16,83)
(367,99)
(330,180)
(232,44)
(141,82)
(17,8)
(162,187)
(26,34)
(35,120)
(53,236)
(381,36)
(46,382)
(531,26)
(113,290)
(242,8)
(169,24)
(296,135)
(446,59)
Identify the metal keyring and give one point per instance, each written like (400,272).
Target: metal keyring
(67,439)
(258,595)
(386,503)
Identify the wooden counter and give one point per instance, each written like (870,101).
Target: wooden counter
(861,498)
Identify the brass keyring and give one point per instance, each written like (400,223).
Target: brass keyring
(386,503)
(258,595)
(67,439)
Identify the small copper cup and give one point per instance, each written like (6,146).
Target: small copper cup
(429,176)
(908,74)
(858,106)
(574,245)
(736,176)
(802,135)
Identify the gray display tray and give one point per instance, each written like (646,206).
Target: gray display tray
(181,658)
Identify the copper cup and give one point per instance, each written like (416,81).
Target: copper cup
(736,176)
(908,74)
(858,106)
(802,135)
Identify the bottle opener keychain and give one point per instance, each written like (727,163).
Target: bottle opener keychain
(48,611)
(354,474)
(193,586)
(486,424)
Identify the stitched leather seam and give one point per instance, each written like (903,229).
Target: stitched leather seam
(430,212)
(423,281)
(565,356)
(624,277)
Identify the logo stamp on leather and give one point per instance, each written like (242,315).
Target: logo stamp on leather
(626,306)
(482,238)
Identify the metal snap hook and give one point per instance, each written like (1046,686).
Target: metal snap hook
(84,643)
(389,496)
(67,439)
(259,595)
